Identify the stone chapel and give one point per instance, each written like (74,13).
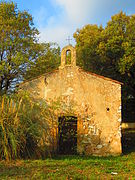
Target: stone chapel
(90,113)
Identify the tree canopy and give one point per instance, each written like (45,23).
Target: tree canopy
(114,43)
(21,54)
(17,43)
(48,59)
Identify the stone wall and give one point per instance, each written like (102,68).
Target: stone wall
(93,99)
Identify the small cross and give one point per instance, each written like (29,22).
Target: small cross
(68,39)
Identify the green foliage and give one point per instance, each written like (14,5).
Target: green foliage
(116,40)
(87,40)
(18,43)
(8,128)
(48,60)
(21,55)
(24,125)
(114,45)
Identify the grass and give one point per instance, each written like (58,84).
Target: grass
(75,167)
(71,167)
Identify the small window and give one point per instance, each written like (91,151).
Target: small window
(68,57)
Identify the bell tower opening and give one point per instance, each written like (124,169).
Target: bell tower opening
(68,57)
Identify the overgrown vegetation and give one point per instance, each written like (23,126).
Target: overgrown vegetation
(24,127)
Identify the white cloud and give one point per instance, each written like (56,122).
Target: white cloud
(55,34)
(76,10)
(72,14)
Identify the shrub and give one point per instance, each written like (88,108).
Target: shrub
(24,124)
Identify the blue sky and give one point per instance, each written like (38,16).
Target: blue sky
(57,19)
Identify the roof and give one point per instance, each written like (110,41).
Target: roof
(80,69)
(103,77)
(31,79)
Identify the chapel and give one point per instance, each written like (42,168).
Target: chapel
(88,120)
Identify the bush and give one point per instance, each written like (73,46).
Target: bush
(24,125)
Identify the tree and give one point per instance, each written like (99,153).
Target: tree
(118,48)
(87,40)
(48,60)
(18,44)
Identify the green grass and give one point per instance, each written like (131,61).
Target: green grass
(71,167)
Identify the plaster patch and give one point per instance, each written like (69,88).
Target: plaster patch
(46,91)
(119,120)
(99,146)
(68,92)
(70,74)
(119,110)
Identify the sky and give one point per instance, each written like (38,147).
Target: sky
(58,19)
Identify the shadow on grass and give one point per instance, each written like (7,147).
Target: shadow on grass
(81,157)
(128,141)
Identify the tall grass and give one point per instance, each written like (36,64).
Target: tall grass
(9,124)
(24,124)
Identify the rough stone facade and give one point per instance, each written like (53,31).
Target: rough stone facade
(93,99)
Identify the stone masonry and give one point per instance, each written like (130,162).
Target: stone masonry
(95,101)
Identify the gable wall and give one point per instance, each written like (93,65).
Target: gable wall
(96,102)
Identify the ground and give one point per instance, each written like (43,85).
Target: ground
(75,167)
(71,167)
